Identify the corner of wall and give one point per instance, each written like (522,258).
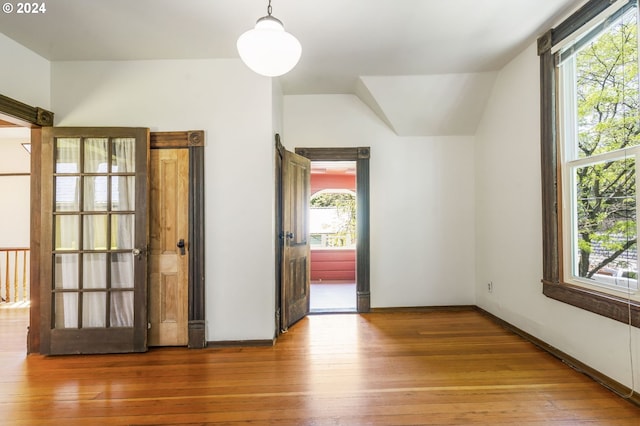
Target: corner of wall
(25,76)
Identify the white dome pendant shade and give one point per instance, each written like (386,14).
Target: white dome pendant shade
(268,49)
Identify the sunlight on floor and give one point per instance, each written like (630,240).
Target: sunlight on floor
(333,297)
(15,305)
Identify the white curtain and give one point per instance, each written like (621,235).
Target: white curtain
(66,237)
(122,264)
(66,270)
(95,237)
(94,229)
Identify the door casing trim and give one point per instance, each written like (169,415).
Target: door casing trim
(361,156)
(193,141)
(24,115)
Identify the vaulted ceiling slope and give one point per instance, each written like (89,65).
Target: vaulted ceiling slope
(425,67)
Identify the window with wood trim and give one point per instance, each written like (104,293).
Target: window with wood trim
(590,146)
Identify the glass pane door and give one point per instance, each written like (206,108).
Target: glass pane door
(98,239)
(94,228)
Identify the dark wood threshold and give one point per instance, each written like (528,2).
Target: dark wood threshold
(329,311)
(614,386)
(240,343)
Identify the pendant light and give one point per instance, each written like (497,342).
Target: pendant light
(268,49)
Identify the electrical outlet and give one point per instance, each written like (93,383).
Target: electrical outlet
(490,286)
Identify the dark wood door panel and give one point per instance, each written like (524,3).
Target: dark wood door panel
(296,187)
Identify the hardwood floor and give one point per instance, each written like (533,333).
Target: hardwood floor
(374,369)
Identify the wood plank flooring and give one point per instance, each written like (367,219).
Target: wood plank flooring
(376,369)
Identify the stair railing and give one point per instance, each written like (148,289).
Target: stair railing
(14,274)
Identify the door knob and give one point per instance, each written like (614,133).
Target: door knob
(137,253)
(180,245)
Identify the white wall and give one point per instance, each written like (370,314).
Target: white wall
(422,202)
(233,106)
(509,230)
(24,75)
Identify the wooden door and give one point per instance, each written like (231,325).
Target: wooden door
(93,278)
(295,236)
(168,247)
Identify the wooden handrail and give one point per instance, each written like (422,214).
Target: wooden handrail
(15,275)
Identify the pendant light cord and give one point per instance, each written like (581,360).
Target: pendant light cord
(269,8)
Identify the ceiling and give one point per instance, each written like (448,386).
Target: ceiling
(333,167)
(399,57)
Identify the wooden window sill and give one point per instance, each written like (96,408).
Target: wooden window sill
(607,305)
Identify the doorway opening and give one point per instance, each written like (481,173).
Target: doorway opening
(332,222)
(293,189)
(15,170)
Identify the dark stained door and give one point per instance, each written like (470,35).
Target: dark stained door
(295,235)
(93,278)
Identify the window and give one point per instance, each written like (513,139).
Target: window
(599,151)
(332,219)
(590,148)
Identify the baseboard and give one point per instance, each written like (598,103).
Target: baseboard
(241,343)
(606,381)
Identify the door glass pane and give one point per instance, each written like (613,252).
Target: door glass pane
(124,155)
(123,193)
(67,232)
(94,306)
(67,193)
(95,155)
(121,314)
(95,232)
(122,270)
(66,271)
(94,270)
(95,193)
(67,154)
(66,310)
(122,230)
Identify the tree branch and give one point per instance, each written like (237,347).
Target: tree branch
(611,258)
